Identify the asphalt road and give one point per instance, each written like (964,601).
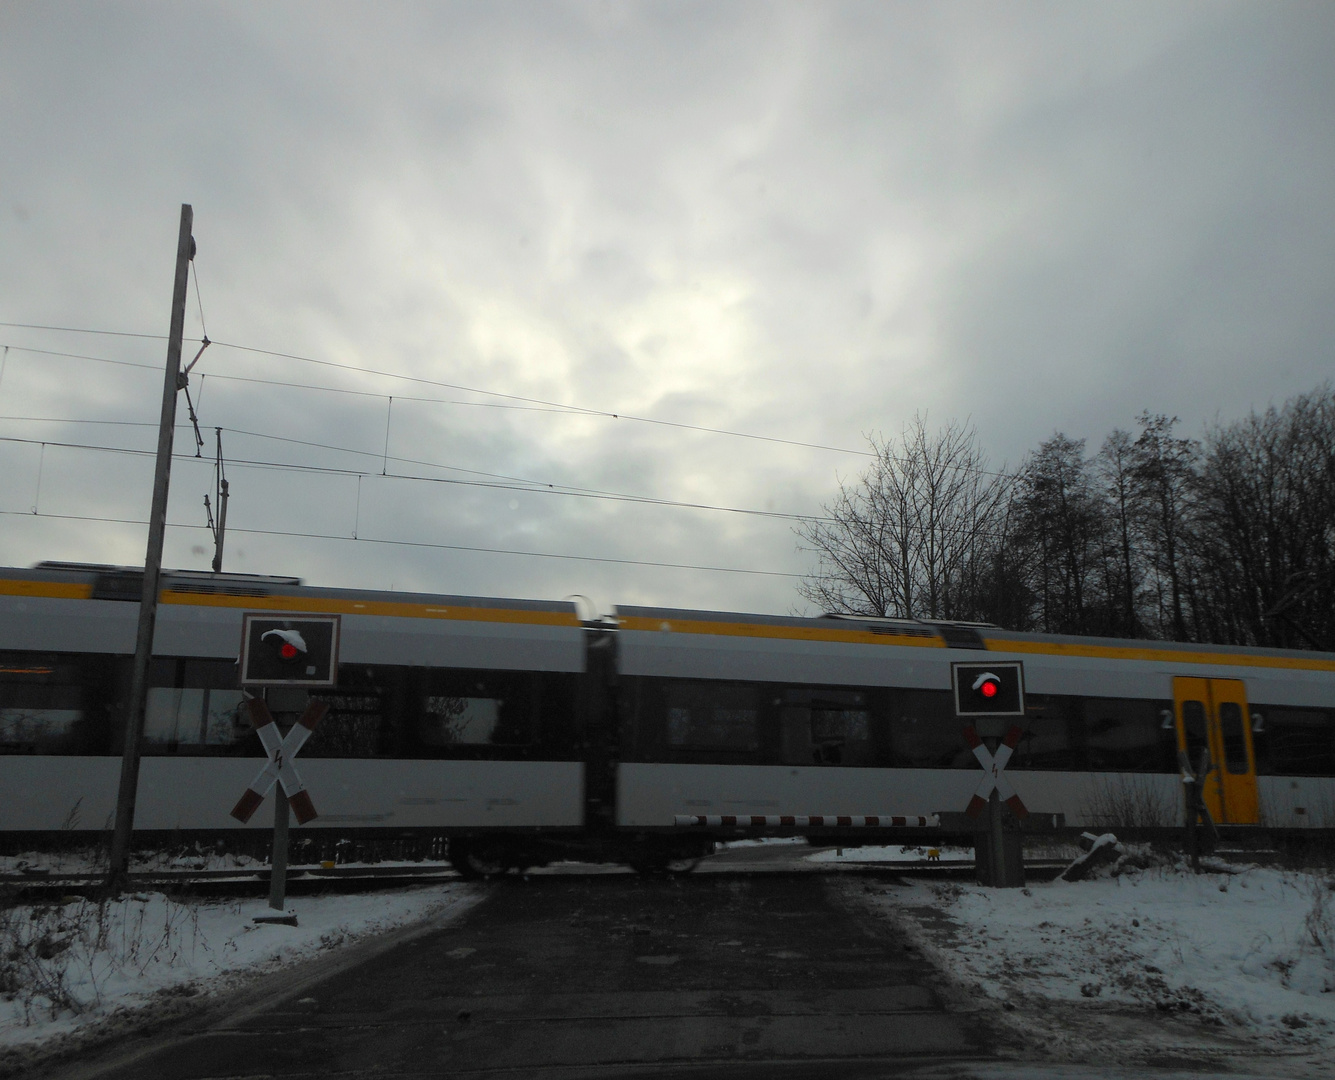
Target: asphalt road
(765,975)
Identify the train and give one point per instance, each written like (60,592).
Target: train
(523,732)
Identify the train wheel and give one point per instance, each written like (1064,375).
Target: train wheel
(662,864)
(477,861)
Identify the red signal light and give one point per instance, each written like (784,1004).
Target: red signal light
(289,652)
(989,689)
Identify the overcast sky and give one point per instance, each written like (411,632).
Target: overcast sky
(799,221)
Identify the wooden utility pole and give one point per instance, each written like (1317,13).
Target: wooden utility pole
(148,604)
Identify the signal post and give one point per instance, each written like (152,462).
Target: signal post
(284,652)
(991,697)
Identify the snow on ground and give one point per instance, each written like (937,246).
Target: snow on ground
(1247,954)
(893,853)
(760,841)
(66,966)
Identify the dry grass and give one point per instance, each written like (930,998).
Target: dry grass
(1131,802)
(56,958)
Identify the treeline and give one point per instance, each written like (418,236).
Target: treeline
(1229,538)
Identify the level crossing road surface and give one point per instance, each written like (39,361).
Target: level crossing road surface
(704,976)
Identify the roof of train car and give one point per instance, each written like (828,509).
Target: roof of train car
(92,581)
(939,634)
(778,626)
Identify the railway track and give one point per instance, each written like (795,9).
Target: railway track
(316,880)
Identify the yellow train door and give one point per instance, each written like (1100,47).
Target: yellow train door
(1212,715)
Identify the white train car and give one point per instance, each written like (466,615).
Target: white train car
(523,734)
(450,713)
(760,716)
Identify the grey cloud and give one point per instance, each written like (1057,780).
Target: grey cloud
(809,221)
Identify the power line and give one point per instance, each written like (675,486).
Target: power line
(79,330)
(199,299)
(81,356)
(426,400)
(74,420)
(579,409)
(540,486)
(508,483)
(418,544)
(531,404)
(556,405)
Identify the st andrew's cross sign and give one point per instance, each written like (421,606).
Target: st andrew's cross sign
(994,768)
(280,769)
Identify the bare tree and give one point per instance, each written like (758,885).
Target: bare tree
(1267,510)
(1113,466)
(907,538)
(1156,536)
(1163,473)
(1061,519)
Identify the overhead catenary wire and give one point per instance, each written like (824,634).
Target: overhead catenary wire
(420,380)
(199,298)
(477,549)
(559,410)
(359,474)
(528,403)
(512,483)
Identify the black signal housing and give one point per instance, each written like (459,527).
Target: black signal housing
(299,650)
(995,689)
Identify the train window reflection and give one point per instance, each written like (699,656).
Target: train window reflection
(1124,735)
(1235,737)
(1050,740)
(454,721)
(720,716)
(926,734)
(41,704)
(826,727)
(1296,742)
(183,715)
(1193,727)
(353,727)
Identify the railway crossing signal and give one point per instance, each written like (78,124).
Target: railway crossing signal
(999,863)
(299,651)
(995,689)
(279,770)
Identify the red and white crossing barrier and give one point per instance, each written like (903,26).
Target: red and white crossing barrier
(812,821)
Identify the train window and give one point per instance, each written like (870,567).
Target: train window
(1296,742)
(717,716)
(1051,739)
(449,720)
(925,733)
(1193,725)
(1235,737)
(472,710)
(41,704)
(353,727)
(186,715)
(193,704)
(1125,735)
(826,727)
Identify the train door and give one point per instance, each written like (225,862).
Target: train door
(1212,715)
